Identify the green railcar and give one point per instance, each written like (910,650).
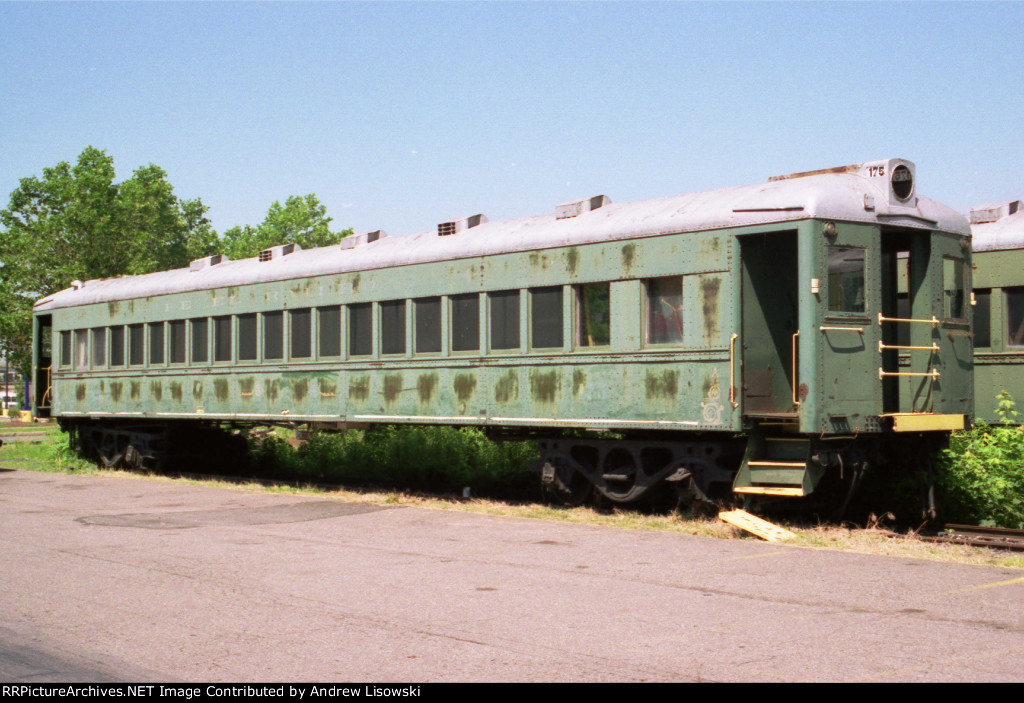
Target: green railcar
(771,310)
(998,303)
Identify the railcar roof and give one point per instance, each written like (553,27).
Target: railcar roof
(840,194)
(1006,232)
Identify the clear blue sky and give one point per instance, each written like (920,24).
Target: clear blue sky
(399,116)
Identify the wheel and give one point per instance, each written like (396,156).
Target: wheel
(565,484)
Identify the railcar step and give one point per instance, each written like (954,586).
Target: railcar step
(792,492)
(756,526)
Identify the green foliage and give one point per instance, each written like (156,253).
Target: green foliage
(75,222)
(438,458)
(983,471)
(301,220)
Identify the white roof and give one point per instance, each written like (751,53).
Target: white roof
(846,194)
(1003,231)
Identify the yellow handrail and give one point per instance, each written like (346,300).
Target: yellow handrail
(796,336)
(934,348)
(732,370)
(934,322)
(825,328)
(933,374)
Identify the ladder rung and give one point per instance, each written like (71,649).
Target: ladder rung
(934,348)
(770,491)
(934,373)
(787,464)
(934,322)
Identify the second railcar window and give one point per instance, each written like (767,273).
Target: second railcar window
(392,324)
(593,320)
(247,337)
(99,347)
(665,310)
(222,338)
(360,329)
(65,349)
(1014,317)
(983,318)
(328,324)
(466,322)
(136,345)
(428,325)
(504,315)
(546,317)
(200,341)
(81,349)
(301,331)
(177,341)
(156,342)
(117,346)
(273,335)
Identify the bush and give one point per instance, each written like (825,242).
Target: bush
(982,471)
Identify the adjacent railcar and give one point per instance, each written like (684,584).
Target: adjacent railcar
(998,296)
(677,323)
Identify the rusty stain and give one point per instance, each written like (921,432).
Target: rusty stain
(272,386)
(579,379)
(245,385)
(328,387)
(103,386)
(662,385)
(507,387)
(197,390)
(176,391)
(544,385)
(465,386)
(538,260)
(220,388)
(300,387)
(628,254)
(359,388)
(80,391)
(135,389)
(114,307)
(710,288)
(115,390)
(156,389)
(426,384)
(232,291)
(392,387)
(572,260)
(355,283)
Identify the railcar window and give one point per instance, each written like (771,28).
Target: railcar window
(117,346)
(177,333)
(664,310)
(136,345)
(222,338)
(360,329)
(247,337)
(81,349)
(156,342)
(328,325)
(273,335)
(983,318)
(99,347)
(546,317)
(1015,316)
(65,349)
(466,322)
(200,340)
(954,291)
(504,309)
(392,323)
(593,322)
(428,325)
(846,280)
(299,321)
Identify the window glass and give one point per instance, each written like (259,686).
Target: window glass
(392,323)
(65,349)
(222,338)
(428,325)
(200,340)
(329,330)
(593,321)
(846,280)
(954,291)
(299,322)
(983,318)
(546,317)
(247,337)
(360,329)
(99,347)
(504,309)
(273,335)
(1015,317)
(117,346)
(136,344)
(665,310)
(177,332)
(466,322)
(81,349)
(156,342)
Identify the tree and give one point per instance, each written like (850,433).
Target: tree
(301,220)
(75,222)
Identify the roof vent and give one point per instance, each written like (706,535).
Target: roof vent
(991,213)
(75,285)
(354,240)
(576,207)
(278,251)
(207,261)
(456,226)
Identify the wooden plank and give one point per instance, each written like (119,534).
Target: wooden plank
(755,525)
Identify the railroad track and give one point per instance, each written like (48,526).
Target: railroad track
(991,537)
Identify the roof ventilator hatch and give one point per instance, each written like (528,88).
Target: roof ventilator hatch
(278,251)
(354,240)
(207,261)
(577,207)
(456,226)
(992,213)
